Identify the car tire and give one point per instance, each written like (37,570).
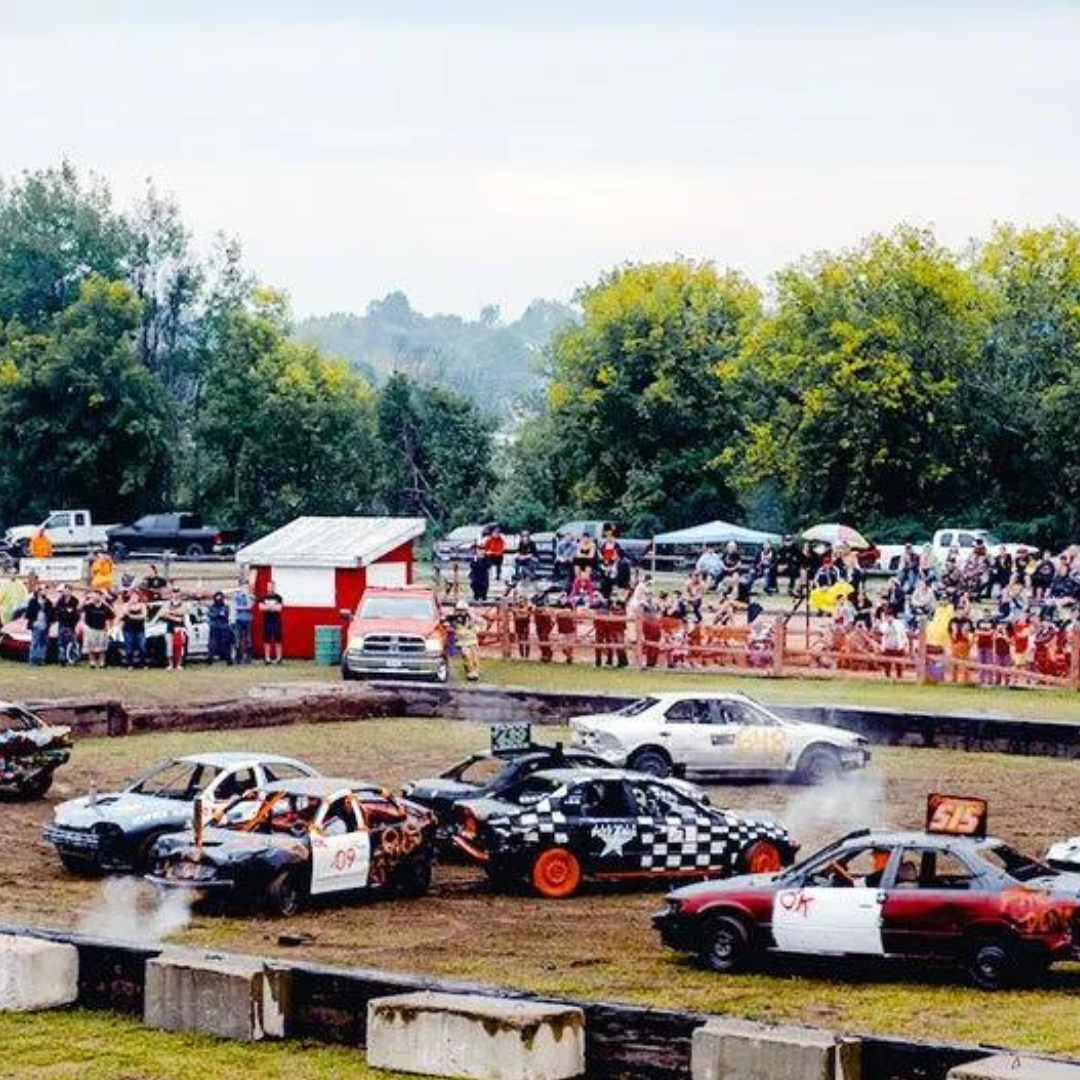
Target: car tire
(195,551)
(414,878)
(725,944)
(347,674)
(761,857)
(38,785)
(283,895)
(818,765)
(992,964)
(142,853)
(555,874)
(651,761)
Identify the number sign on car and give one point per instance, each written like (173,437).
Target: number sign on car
(956,815)
(510,738)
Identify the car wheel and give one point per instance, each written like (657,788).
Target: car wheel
(761,857)
(991,964)
(442,672)
(414,878)
(119,552)
(37,785)
(725,944)
(556,873)
(75,864)
(195,551)
(347,673)
(143,854)
(653,762)
(818,765)
(282,895)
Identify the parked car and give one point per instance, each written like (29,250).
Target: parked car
(71,532)
(917,896)
(30,751)
(181,533)
(117,831)
(301,840)
(490,775)
(197,646)
(15,639)
(717,732)
(395,632)
(569,825)
(964,540)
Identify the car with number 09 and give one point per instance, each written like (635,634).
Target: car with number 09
(301,842)
(717,733)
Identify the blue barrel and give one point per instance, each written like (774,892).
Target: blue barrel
(328,645)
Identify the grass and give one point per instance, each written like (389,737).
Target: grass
(202,683)
(81,1045)
(598,945)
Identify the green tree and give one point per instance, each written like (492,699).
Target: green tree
(855,385)
(56,230)
(282,430)
(640,411)
(82,422)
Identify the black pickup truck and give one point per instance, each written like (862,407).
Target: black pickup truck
(635,549)
(180,533)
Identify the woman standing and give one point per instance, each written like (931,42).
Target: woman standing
(176,629)
(272,607)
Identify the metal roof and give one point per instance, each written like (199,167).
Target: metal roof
(345,542)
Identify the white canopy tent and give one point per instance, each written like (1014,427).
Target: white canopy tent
(714,533)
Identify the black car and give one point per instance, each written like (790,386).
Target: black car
(184,534)
(30,752)
(491,775)
(611,825)
(303,840)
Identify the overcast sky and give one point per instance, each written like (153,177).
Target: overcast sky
(361,147)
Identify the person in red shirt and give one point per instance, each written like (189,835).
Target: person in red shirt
(494,548)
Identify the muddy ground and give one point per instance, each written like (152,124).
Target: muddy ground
(599,944)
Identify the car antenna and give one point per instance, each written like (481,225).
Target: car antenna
(92,797)
(197,824)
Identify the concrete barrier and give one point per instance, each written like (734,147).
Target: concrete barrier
(233,997)
(480,1038)
(1015,1067)
(729,1049)
(37,974)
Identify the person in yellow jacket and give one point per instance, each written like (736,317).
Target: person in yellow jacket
(41,547)
(101,572)
(467,640)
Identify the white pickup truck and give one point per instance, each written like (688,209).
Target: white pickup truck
(964,540)
(71,532)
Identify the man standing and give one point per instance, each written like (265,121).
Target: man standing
(39,617)
(217,615)
(67,619)
(565,550)
(101,571)
(526,559)
(242,614)
(97,616)
(272,607)
(789,562)
(134,623)
(494,547)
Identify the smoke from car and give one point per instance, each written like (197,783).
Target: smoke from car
(128,910)
(851,801)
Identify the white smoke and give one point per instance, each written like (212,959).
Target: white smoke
(131,910)
(851,801)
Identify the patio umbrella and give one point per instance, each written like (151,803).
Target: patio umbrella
(837,536)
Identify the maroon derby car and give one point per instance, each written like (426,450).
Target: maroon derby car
(924,896)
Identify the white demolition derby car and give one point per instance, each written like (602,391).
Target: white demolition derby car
(717,732)
(1065,855)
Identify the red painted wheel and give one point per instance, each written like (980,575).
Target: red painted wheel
(556,873)
(762,857)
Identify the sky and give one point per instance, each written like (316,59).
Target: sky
(467,154)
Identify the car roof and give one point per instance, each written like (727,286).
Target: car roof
(919,839)
(565,776)
(682,695)
(322,787)
(227,759)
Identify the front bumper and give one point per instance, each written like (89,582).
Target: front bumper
(855,758)
(104,851)
(426,664)
(675,931)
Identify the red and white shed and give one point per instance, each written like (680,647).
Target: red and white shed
(321,565)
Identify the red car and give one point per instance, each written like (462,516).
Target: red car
(922,896)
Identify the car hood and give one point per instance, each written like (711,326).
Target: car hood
(423,627)
(438,787)
(841,736)
(727,885)
(222,847)
(123,808)
(34,739)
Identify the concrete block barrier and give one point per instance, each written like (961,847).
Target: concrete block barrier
(1015,1067)
(233,997)
(475,1037)
(729,1049)
(37,974)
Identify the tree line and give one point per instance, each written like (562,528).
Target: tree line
(137,375)
(897,385)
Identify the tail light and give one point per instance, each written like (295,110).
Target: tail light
(218,539)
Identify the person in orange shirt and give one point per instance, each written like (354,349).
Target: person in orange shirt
(41,547)
(101,571)
(494,548)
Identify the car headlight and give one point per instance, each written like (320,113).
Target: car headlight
(356,643)
(433,645)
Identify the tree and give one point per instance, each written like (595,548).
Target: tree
(82,422)
(55,232)
(855,384)
(640,409)
(282,430)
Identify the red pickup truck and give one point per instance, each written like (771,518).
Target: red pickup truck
(396,632)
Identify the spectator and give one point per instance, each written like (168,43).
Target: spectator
(527,558)
(221,641)
(984,650)
(41,547)
(97,617)
(68,613)
(710,566)
(961,634)
(40,615)
(133,620)
(494,548)
(1001,570)
(101,571)
(1042,577)
(565,550)
(584,588)
(731,560)
(242,615)
(175,629)
(789,562)
(894,643)
(272,607)
(479,576)
(153,585)
(585,554)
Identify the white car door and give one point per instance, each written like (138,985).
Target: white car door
(761,741)
(340,848)
(198,632)
(689,737)
(836,910)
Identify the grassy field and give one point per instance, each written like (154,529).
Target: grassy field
(597,945)
(79,1045)
(202,683)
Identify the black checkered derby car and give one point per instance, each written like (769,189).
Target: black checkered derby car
(607,825)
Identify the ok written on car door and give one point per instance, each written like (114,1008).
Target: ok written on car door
(340,849)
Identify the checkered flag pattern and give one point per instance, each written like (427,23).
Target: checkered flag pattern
(543,825)
(695,841)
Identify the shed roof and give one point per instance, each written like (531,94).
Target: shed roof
(337,542)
